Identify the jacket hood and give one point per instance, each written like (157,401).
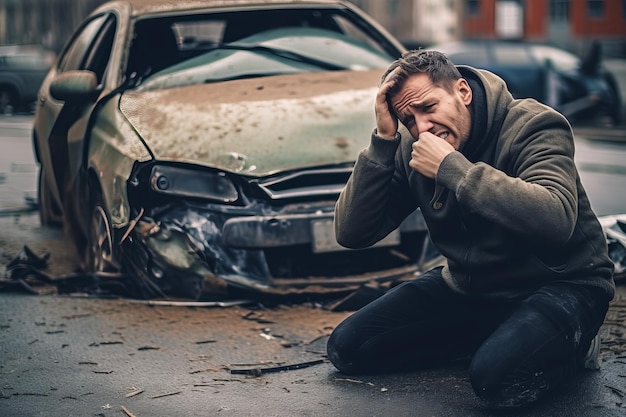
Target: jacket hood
(259,126)
(497,96)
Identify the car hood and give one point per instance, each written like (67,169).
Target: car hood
(259,126)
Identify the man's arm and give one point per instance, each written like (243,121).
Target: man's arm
(371,206)
(376,198)
(538,198)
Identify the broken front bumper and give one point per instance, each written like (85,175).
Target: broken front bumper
(197,252)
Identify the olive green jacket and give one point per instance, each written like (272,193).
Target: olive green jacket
(508,214)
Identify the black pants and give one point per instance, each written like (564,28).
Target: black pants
(520,349)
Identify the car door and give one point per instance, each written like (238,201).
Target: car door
(56,149)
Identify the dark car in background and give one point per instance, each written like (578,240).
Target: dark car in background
(198,148)
(582,89)
(22,69)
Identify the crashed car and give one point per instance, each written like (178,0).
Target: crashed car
(198,148)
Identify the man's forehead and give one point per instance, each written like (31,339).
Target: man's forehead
(415,89)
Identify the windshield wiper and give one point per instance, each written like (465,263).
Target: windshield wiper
(283,53)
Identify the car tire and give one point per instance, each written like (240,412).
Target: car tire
(49,212)
(99,256)
(8,101)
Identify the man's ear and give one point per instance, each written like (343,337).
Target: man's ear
(464,91)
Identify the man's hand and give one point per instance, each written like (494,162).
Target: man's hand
(386,123)
(428,152)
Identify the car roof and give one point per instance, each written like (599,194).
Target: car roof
(141,7)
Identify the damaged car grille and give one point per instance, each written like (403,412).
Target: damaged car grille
(277,236)
(313,183)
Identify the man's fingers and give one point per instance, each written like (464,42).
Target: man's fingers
(392,76)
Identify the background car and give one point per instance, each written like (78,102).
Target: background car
(583,90)
(22,69)
(198,148)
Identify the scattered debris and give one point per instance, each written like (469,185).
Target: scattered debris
(266,336)
(127,412)
(32,394)
(355,381)
(615,230)
(166,395)
(25,272)
(257,317)
(616,391)
(363,295)
(273,369)
(114,342)
(25,262)
(168,303)
(149,348)
(134,392)
(201,342)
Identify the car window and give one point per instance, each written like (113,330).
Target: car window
(475,57)
(350,29)
(100,50)
(562,60)
(74,54)
(199,34)
(275,41)
(512,55)
(277,51)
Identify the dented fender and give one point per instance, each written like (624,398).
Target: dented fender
(114,147)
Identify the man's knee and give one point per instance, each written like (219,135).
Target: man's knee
(506,388)
(338,354)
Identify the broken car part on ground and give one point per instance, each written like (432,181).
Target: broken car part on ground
(27,271)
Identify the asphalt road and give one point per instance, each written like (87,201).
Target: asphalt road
(73,356)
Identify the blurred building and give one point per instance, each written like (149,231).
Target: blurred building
(571,24)
(418,22)
(46,22)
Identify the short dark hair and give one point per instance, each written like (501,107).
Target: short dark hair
(435,64)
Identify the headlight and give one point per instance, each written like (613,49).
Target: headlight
(185,182)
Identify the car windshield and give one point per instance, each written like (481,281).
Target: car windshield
(183,50)
(562,60)
(277,51)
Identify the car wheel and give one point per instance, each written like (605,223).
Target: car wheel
(99,252)
(49,212)
(7,101)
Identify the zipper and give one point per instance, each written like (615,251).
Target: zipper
(434,202)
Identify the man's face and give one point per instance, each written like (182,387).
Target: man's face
(422,106)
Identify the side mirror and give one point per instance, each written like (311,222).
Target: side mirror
(74,86)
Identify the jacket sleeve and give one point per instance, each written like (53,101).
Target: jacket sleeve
(374,201)
(537,197)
